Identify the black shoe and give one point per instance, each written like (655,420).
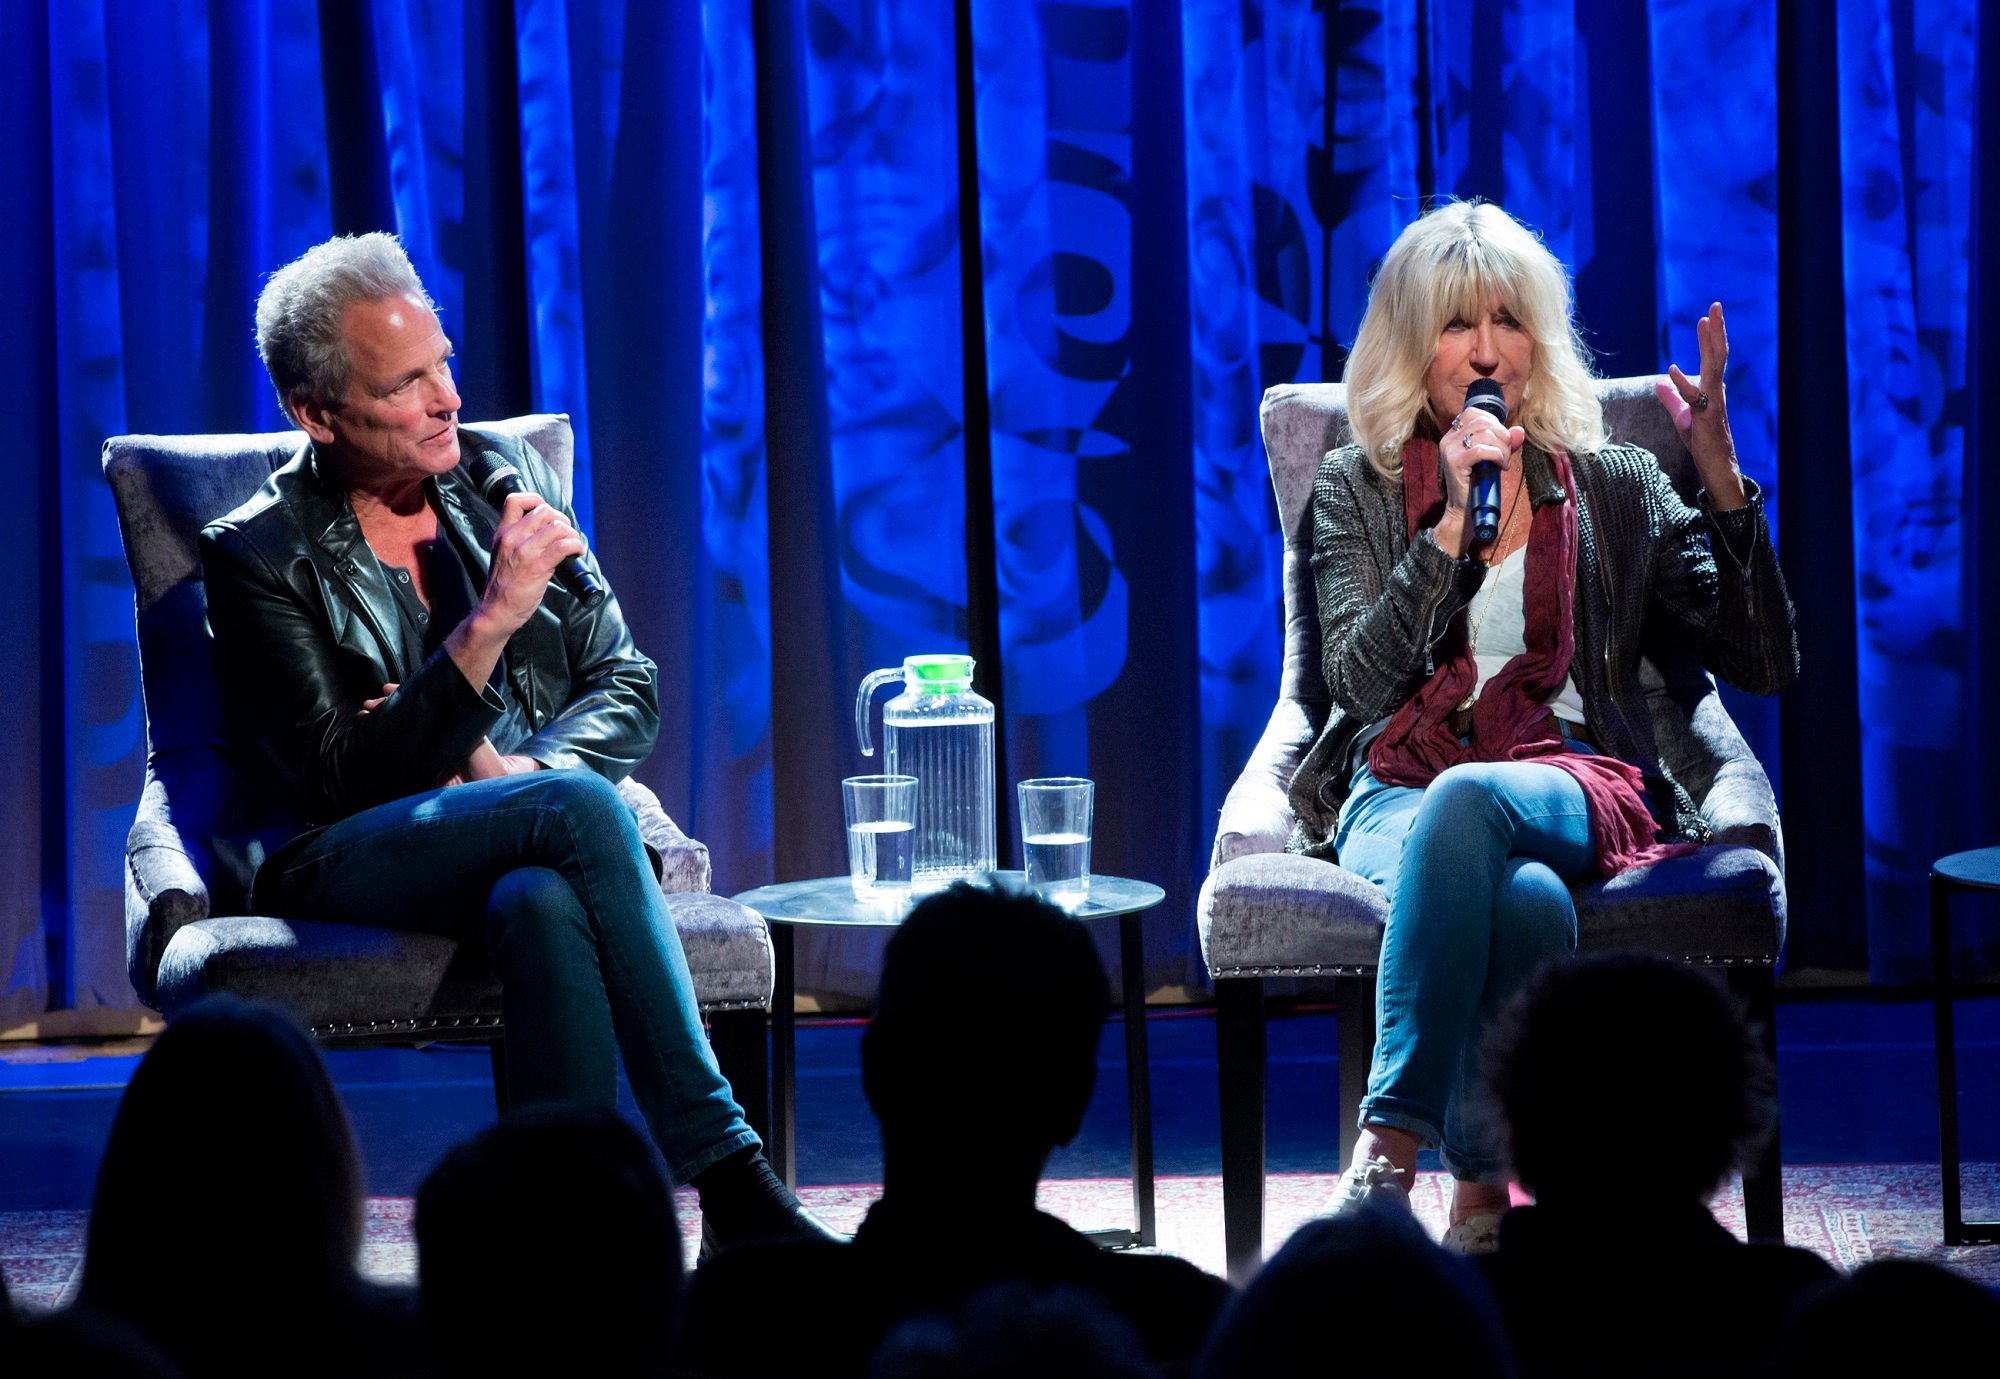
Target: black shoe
(743,1200)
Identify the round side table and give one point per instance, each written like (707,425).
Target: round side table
(1977,870)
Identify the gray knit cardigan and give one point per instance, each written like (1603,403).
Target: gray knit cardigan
(1647,568)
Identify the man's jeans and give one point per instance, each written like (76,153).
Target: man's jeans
(548,871)
(1474,865)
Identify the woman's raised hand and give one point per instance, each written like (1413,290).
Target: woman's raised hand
(1700,412)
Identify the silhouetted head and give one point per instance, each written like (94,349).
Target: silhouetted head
(1014,1331)
(1413,1307)
(84,1341)
(1874,1320)
(229,1185)
(545,1240)
(986,1025)
(1627,1073)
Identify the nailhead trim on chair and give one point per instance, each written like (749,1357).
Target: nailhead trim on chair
(1356,970)
(422,1025)
(377,1029)
(1336,969)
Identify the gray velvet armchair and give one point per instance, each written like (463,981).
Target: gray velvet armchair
(196,840)
(1264,913)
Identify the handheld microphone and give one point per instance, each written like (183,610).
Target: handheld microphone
(498,480)
(1488,397)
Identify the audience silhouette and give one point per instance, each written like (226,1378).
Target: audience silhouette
(1425,1310)
(226,1226)
(1882,1317)
(79,1340)
(1629,1088)
(979,1061)
(547,1244)
(1013,1331)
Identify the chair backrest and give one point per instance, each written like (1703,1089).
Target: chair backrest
(1302,421)
(166,489)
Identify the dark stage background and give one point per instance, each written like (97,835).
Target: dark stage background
(907,325)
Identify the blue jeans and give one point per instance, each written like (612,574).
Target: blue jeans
(1475,866)
(548,871)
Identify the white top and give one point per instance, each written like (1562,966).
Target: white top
(1503,628)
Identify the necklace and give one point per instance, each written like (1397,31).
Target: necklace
(1491,571)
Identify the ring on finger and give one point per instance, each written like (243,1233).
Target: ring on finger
(1700,403)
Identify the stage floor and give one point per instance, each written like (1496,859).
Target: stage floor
(1856,1080)
(1846,1213)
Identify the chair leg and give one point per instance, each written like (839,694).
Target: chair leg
(497,1050)
(1239,1056)
(744,1056)
(1763,1181)
(1354,1028)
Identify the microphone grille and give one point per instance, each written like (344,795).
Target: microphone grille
(1487,396)
(491,475)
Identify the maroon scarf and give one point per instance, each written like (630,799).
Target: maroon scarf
(1510,721)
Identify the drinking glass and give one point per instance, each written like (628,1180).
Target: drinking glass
(881,836)
(1055,838)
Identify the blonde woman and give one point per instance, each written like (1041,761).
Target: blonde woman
(1489,742)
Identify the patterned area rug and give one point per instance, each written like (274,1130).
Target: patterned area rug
(1847,1213)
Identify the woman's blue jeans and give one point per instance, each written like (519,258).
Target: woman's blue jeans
(548,871)
(1475,866)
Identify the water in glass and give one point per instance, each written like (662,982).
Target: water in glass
(879,855)
(1058,866)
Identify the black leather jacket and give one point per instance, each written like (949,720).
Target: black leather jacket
(305,628)
(1648,584)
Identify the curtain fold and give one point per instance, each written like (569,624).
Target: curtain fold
(1716,171)
(1906,166)
(100,722)
(725,239)
(33,738)
(732,776)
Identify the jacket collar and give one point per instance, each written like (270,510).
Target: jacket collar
(1539,472)
(324,513)
(320,505)
(327,517)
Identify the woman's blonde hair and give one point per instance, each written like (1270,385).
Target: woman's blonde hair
(1458,261)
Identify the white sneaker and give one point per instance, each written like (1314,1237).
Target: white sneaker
(1372,1180)
(1475,1235)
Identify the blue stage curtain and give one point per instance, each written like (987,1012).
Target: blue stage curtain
(731,737)
(1082,187)
(170,162)
(1180,203)
(1906,112)
(881,123)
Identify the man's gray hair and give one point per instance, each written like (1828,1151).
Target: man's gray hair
(299,312)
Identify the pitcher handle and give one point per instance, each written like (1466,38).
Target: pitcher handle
(872,682)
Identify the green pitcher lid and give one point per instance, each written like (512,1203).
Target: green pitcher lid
(937,674)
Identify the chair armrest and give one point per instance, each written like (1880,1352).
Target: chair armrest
(1741,808)
(164,889)
(684,865)
(1704,749)
(1257,813)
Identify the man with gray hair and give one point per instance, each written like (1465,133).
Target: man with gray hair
(448,726)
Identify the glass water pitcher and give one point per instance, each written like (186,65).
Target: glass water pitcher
(939,731)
